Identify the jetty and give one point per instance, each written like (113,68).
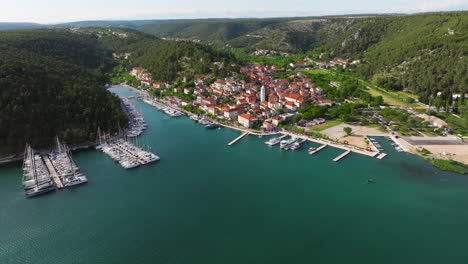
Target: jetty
(341,156)
(381,155)
(36,177)
(238,138)
(318,149)
(53,173)
(333,144)
(128,155)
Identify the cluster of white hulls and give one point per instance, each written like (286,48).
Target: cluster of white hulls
(36,177)
(42,174)
(137,123)
(166,109)
(128,155)
(69,174)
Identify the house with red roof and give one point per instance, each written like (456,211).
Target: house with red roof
(246,120)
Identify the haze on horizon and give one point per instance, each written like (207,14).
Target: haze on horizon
(57,11)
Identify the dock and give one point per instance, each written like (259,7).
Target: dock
(381,155)
(283,136)
(341,156)
(128,155)
(53,173)
(318,149)
(238,138)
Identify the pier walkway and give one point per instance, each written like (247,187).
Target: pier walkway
(318,149)
(333,144)
(238,138)
(53,172)
(341,156)
(382,155)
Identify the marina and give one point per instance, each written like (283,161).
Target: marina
(46,173)
(171,111)
(304,198)
(36,176)
(63,169)
(128,155)
(137,123)
(275,141)
(54,175)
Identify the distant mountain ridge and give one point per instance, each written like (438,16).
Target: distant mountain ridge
(16,26)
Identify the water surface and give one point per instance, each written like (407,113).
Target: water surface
(206,202)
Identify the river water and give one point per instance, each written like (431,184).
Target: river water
(206,202)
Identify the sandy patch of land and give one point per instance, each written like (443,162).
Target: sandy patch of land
(357,141)
(454,149)
(454,152)
(337,132)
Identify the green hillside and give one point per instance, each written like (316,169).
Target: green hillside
(215,31)
(166,60)
(51,83)
(425,54)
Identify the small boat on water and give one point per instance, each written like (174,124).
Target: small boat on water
(295,145)
(273,141)
(311,150)
(211,125)
(285,144)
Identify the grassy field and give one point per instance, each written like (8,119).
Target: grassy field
(386,97)
(391,98)
(450,165)
(327,125)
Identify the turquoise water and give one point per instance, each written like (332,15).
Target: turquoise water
(205,202)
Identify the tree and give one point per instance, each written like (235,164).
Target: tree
(348,131)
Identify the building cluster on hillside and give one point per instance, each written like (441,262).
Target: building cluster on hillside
(141,75)
(263,52)
(264,100)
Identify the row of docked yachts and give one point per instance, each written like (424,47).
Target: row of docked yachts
(128,155)
(43,174)
(287,144)
(204,121)
(166,109)
(137,123)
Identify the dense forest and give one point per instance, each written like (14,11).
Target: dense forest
(166,60)
(52,80)
(52,83)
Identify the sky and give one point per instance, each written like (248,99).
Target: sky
(56,11)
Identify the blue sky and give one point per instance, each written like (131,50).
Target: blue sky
(52,11)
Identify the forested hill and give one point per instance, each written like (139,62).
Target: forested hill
(51,83)
(426,54)
(166,60)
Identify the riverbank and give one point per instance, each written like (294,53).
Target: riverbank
(226,192)
(353,144)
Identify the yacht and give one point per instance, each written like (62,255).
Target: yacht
(285,143)
(273,141)
(211,125)
(295,146)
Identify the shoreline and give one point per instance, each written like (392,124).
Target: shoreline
(351,148)
(406,146)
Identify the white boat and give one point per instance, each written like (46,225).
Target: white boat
(295,146)
(311,150)
(273,141)
(285,143)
